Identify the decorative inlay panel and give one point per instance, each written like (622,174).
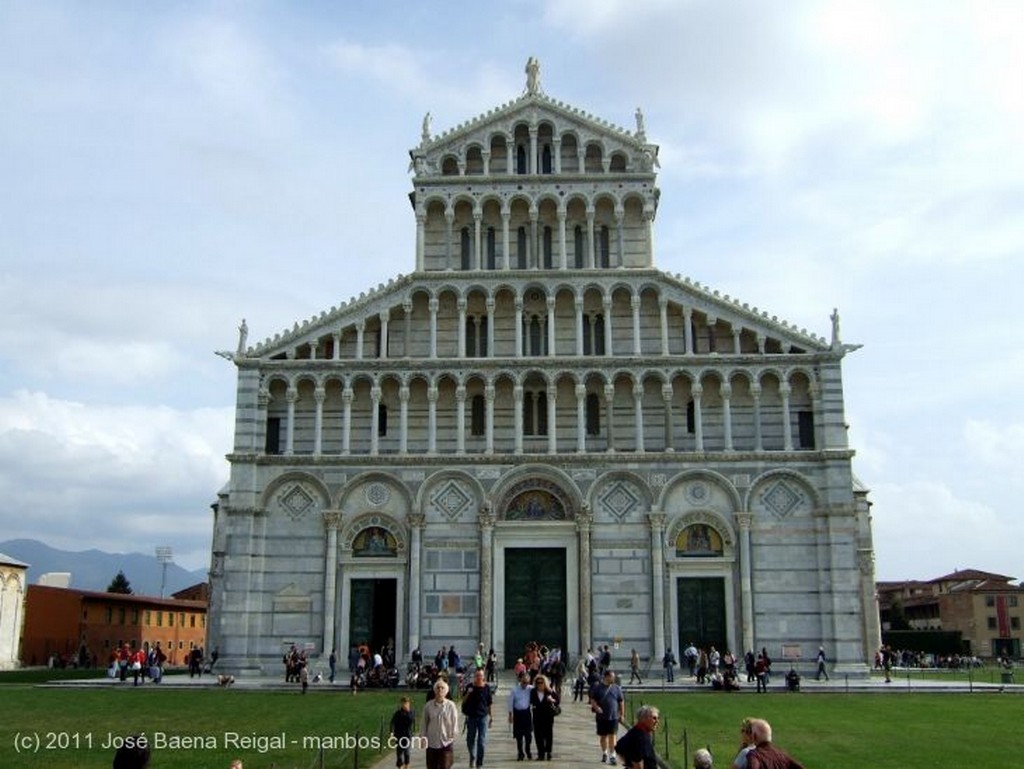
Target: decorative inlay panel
(378,494)
(451,500)
(620,499)
(781,499)
(297,501)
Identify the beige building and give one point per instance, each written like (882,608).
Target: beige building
(538,435)
(12,609)
(985,608)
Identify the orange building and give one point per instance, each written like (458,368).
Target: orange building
(76,626)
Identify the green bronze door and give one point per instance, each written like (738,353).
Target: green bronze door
(371,617)
(701,612)
(535,599)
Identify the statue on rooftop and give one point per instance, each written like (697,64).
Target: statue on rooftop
(835,327)
(243,336)
(425,135)
(532,76)
(641,129)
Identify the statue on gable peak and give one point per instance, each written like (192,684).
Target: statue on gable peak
(532,76)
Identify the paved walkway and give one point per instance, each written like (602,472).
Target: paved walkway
(575,742)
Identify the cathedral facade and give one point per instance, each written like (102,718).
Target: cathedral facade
(537,435)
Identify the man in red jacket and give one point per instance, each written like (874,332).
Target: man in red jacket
(765,755)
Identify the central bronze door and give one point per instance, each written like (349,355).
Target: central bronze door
(371,618)
(535,599)
(701,612)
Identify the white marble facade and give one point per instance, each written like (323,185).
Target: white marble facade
(13,575)
(535,353)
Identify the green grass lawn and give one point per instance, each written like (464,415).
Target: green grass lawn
(75,724)
(888,730)
(893,730)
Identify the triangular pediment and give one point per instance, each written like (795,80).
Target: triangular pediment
(676,289)
(534,109)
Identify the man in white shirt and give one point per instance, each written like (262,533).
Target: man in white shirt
(440,727)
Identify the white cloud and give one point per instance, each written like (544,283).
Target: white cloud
(923,530)
(119,478)
(999,446)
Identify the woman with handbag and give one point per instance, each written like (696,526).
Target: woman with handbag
(545,705)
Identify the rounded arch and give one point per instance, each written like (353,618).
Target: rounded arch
(364,480)
(517,484)
(675,488)
(448,493)
(698,541)
(354,528)
(620,494)
(782,493)
(296,492)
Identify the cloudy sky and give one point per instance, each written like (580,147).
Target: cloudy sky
(167,169)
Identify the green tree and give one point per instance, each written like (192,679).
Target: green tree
(120,584)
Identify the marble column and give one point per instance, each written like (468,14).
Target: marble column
(506,262)
(360,338)
(486,155)
(489,304)
(590,239)
(663,321)
(656,521)
(347,395)
(745,521)
(460,419)
(336,336)
(698,422)
(755,393)
(407,332)
(688,330)
(517,417)
(332,520)
(563,258)
(477,250)
(532,164)
(462,328)
(634,303)
(726,391)
(486,523)
(552,419)
(787,427)
(449,221)
(556,154)
(551,326)
(374,416)
(581,419)
(519,326)
(421,240)
(620,245)
(608,341)
(666,397)
(579,324)
(434,305)
(638,414)
(319,396)
(403,419)
(384,317)
(432,419)
(416,523)
(584,524)
(489,423)
(609,400)
(291,396)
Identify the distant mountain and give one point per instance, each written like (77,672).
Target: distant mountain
(94,569)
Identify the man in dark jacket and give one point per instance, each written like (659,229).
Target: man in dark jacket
(476,706)
(637,745)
